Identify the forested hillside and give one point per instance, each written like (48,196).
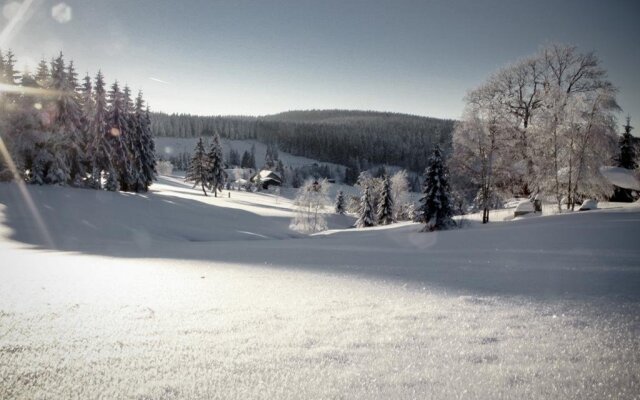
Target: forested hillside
(357,139)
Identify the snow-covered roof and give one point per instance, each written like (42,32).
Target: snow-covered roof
(266,174)
(621,177)
(524,206)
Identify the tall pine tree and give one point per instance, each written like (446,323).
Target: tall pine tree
(216,166)
(385,207)
(118,131)
(198,171)
(627,157)
(100,150)
(435,208)
(366,217)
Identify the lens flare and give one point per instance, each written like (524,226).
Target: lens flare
(28,200)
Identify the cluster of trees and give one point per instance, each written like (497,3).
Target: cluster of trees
(207,167)
(539,127)
(58,131)
(356,139)
(383,199)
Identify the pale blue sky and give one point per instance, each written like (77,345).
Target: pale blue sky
(260,57)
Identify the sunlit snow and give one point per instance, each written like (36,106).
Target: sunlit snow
(173,295)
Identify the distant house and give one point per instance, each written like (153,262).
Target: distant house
(624,181)
(267,178)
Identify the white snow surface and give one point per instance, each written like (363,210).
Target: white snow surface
(173,295)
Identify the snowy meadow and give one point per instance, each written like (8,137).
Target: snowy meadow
(159,296)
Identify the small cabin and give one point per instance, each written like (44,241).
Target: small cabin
(267,178)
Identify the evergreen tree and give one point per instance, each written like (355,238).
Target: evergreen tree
(100,150)
(86,105)
(198,171)
(9,74)
(42,74)
(435,209)
(216,166)
(147,150)
(252,159)
(340,203)
(246,160)
(366,215)
(71,123)
(234,158)
(627,157)
(118,131)
(385,206)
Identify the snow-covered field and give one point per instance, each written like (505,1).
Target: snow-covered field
(171,295)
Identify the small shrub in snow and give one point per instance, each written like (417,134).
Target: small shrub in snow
(164,167)
(310,203)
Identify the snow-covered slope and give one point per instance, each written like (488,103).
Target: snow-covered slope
(173,295)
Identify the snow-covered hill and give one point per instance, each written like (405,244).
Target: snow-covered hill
(168,146)
(174,295)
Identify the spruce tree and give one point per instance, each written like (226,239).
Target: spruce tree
(42,74)
(245,162)
(100,149)
(385,207)
(149,148)
(216,166)
(627,157)
(86,104)
(10,75)
(142,147)
(435,209)
(366,217)
(340,203)
(118,131)
(198,171)
(252,159)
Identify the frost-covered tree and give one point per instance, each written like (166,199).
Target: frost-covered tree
(400,194)
(366,213)
(100,150)
(340,206)
(384,215)
(215,162)
(310,202)
(435,209)
(148,147)
(118,124)
(198,171)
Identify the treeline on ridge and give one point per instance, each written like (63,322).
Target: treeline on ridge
(357,139)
